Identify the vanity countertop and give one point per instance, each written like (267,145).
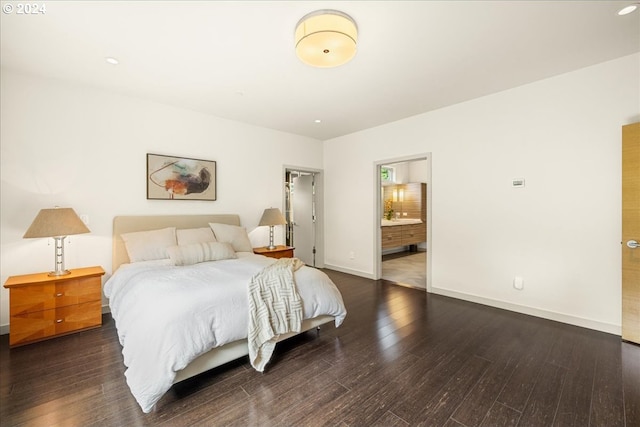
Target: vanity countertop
(400,221)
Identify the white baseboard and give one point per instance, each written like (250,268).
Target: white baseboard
(349,271)
(545,314)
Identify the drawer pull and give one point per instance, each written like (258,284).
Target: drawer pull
(59,321)
(59,294)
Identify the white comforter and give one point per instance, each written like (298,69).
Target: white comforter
(166,316)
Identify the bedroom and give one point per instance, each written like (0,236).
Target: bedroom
(68,143)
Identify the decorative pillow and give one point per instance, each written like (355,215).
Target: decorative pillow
(233,234)
(153,263)
(200,252)
(149,245)
(188,236)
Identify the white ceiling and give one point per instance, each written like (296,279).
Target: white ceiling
(236,60)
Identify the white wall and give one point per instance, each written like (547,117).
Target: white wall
(418,171)
(78,147)
(561,232)
(72,146)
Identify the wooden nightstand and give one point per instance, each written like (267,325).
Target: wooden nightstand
(43,307)
(280,251)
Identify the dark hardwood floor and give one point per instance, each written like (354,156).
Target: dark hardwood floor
(400,359)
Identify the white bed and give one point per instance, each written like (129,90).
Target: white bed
(136,288)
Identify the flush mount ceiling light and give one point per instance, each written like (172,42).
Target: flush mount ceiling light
(326,38)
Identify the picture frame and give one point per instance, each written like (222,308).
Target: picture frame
(180,178)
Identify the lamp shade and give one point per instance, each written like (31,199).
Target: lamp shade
(56,222)
(272,216)
(326,38)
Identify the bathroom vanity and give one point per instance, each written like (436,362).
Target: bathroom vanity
(403,232)
(409,224)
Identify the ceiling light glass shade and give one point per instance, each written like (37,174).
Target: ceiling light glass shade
(326,38)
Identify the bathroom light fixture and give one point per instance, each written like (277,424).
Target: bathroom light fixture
(57,223)
(398,195)
(111,60)
(628,9)
(326,38)
(272,217)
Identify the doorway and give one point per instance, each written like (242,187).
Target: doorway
(303,207)
(403,188)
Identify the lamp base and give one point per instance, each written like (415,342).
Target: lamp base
(271,245)
(59,258)
(58,273)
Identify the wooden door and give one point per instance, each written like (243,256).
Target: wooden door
(631,232)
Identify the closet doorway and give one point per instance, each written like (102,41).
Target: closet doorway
(403,190)
(303,204)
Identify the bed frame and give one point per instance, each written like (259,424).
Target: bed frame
(219,355)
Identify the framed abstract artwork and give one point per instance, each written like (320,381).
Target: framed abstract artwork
(180,178)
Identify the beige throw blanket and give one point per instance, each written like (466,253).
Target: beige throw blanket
(274,308)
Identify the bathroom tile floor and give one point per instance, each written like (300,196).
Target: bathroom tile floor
(406,268)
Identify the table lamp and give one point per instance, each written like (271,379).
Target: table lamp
(57,223)
(272,217)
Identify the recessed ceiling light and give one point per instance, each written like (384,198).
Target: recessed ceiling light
(111,60)
(628,9)
(318,121)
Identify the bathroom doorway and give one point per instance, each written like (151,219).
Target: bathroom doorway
(403,218)
(303,207)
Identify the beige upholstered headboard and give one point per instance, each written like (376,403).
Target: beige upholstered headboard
(128,224)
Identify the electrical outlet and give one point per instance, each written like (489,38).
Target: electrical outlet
(85,218)
(352,255)
(518,283)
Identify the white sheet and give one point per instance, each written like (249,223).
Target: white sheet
(166,316)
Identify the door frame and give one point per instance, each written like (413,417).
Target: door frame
(377,212)
(319,200)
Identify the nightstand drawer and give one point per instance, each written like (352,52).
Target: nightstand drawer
(34,326)
(53,295)
(281,254)
(280,251)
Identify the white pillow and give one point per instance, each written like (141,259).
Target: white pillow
(149,245)
(233,234)
(200,252)
(153,263)
(188,236)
